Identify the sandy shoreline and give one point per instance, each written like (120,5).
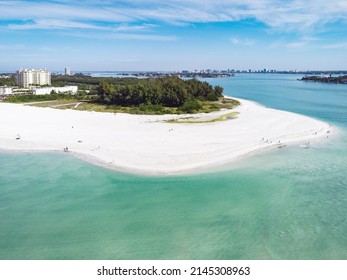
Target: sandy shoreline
(149,145)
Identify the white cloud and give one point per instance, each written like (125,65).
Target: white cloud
(278,14)
(283,15)
(126,27)
(53,24)
(302,43)
(130,36)
(242,41)
(66,11)
(296,45)
(342,45)
(119,36)
(12,47)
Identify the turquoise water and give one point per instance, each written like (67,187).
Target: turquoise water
(284,204)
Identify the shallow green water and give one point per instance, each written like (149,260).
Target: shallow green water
(284,204)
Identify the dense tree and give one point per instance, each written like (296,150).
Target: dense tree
(191,106)
(11,81)
(330,80)
(168,91)
(218,90)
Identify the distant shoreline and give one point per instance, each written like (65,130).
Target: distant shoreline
(328,80)
(147,144)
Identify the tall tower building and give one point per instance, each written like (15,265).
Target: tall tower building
(67,71)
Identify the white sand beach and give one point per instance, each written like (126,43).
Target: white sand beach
(147,144)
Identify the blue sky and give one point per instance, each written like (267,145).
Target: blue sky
(173,35)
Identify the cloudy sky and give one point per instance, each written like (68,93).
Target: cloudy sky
(129,35)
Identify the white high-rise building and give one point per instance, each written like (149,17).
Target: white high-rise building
(67,71)
(27,77)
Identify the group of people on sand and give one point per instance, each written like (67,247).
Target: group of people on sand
(266,141)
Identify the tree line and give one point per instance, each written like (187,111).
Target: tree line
(11,81)
(323,79)
(168,92)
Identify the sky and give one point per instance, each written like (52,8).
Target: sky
(173,35)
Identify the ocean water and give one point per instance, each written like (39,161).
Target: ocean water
(287,203)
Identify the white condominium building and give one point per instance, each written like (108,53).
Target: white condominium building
(27,77)
(48,90)
(5,90)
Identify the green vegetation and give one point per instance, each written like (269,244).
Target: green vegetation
(224,117)
(191,106)
(142,109)
(87,82)
(60,103)
(168,92)
(169,95)
(329,80)
(38,98)
(10,82)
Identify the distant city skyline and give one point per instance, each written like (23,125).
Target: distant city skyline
(153,35)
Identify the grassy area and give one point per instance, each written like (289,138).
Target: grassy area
(54,103)
(193,120)
(69,102)
(25,98)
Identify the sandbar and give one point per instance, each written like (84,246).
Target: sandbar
(148,144)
